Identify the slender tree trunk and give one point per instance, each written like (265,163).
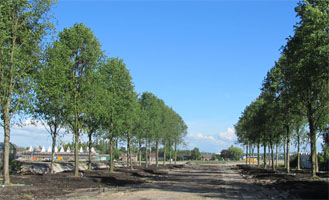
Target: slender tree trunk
(157,153)
(76,134)
(277,155)
(252,154)
(128,147)
(140,153)
(170,159)
(54,135)
(164,153)
(76,154)
(6,116)
(316,161)
(6,147)
(247,153)
(269,155)
(146,153)
(89,150)
(258,155)
(272,156)
(312,138)
(298,150)
(250,147)
(111,149)
(265,156)
(150,152)
(284,152)
(175,153)
(288,148)
(129,163)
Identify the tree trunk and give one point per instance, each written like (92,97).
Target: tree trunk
(258,155)
(316,161)
(265,156)
(269,155)
(288,148)
(164,153)
(76,134)
(298,150)
(128,149)
(175,153)
(76,154)
(111,150)
(157,154)
(146,154)
(170,153)
(6,147)
(89,150)
(54,135)
(272,156)
(129,152)
(140,153)
(250,147)
(277,155)
(150,152)
(284,152)
(247,153)
(312,138)
(252,154)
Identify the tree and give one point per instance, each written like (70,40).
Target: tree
(225,154)
(50,95)
(23,25)
(235,153)
(181,133)
(118,95)
(195,154)
(80,54)
(129,121)
(148,103)
(306,71)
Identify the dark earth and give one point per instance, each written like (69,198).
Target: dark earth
(188,181)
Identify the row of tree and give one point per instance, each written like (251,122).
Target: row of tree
(295,92)
(70,83)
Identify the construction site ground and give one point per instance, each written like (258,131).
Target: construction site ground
(184,181)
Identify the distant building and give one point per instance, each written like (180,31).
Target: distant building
(124,156)
(153,157)
(206,156)
(39,154)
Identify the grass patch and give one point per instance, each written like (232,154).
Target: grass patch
(206,162)
(27,196)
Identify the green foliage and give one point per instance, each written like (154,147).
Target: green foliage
(15,166)
(235,153)
(195,154)
(216,157)
(296,88)
(23,25)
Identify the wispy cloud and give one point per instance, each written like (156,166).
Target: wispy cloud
(228,135)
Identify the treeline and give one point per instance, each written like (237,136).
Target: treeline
(295,92)
(70,83)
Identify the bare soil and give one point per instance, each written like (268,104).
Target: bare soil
(217,181)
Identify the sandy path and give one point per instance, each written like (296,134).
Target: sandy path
(191,182)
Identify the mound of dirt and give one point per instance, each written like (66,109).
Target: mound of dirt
(299,183)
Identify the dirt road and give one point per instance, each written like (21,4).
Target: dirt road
(191,182)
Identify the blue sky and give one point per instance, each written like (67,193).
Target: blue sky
(206,59)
